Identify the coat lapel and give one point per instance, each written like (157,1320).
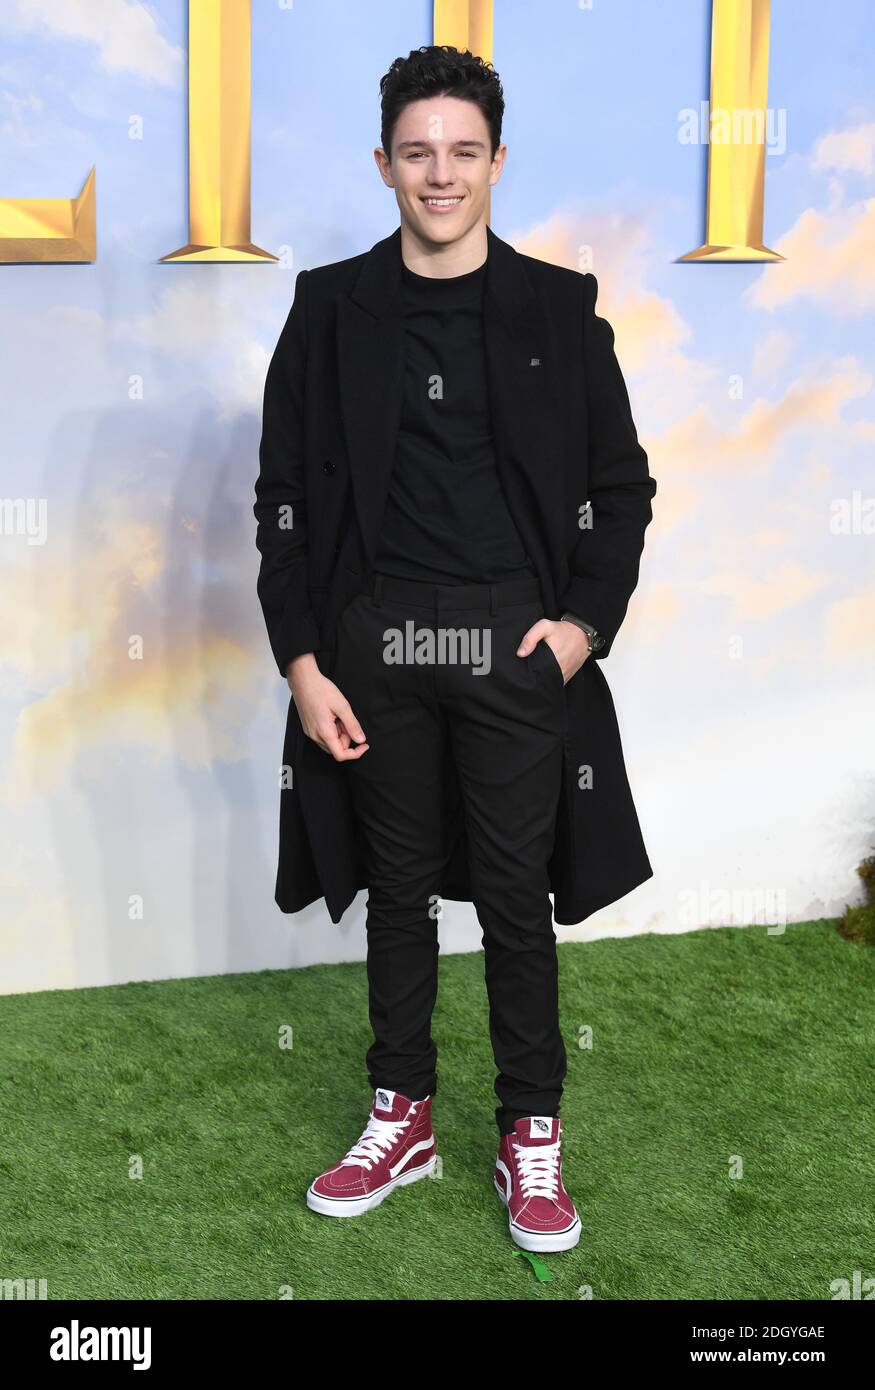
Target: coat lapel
(521,378)
(370,368)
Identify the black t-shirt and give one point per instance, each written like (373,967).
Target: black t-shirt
(446,518)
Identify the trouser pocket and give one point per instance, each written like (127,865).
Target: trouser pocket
(550,663)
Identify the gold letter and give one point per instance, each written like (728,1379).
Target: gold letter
(42,230)
(736,165)
(466,24)
(219,120)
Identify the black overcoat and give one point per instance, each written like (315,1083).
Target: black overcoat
(577,484)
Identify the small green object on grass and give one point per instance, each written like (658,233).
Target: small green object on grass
(542,1273)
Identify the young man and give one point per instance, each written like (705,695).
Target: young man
(451,511)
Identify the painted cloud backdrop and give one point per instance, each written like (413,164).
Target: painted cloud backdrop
(139,797)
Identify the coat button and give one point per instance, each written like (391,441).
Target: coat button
(329,467)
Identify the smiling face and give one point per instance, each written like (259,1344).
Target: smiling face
(441,168)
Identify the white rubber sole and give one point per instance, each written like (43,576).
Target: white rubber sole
(355,1206)
(541,1241)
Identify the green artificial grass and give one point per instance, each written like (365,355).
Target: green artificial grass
(716,1043)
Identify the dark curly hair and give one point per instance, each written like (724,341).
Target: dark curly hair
(440,71)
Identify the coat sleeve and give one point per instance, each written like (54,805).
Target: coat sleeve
(280,501)
(605,560)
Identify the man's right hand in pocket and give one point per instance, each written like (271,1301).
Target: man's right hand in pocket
(325,713)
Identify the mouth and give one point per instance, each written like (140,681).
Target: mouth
(442,205)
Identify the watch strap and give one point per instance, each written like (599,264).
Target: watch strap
(594,637)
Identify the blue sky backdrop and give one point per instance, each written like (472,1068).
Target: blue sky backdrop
(743,675)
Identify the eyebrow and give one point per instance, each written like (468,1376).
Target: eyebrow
(426,144)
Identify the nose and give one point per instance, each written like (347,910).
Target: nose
(439,174)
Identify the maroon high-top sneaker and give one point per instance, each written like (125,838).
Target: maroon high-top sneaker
(528,1179)
(397,1147)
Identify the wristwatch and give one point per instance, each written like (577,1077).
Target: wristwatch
(595,639)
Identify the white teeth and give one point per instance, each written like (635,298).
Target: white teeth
(442,202)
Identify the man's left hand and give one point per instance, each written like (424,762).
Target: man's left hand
(568,644)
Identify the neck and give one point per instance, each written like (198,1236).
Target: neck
(442,260)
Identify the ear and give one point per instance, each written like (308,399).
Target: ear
(384,166)
(498,163)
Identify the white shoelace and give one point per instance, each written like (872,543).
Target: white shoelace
(538,1169)
(378,1138)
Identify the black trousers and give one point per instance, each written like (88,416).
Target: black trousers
(431,672)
